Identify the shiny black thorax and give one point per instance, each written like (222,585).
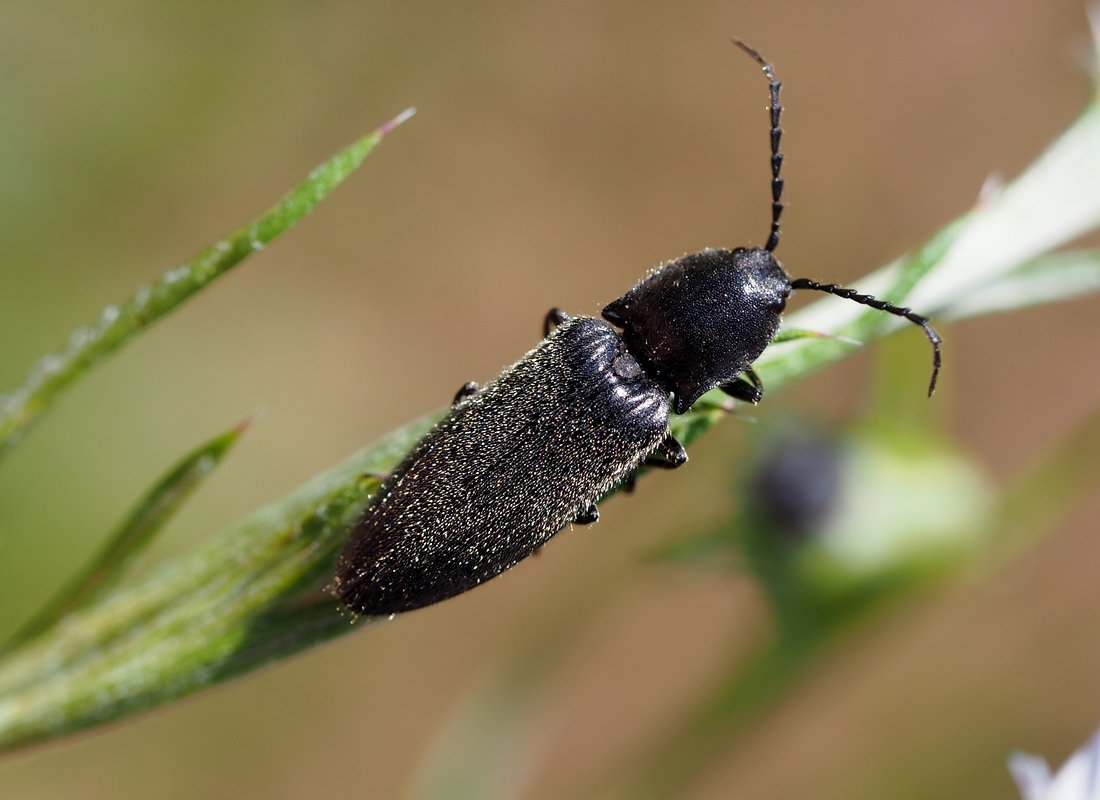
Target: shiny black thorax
(700,321)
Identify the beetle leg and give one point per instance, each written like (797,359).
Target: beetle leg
(588,516)
(674,455)
(467,390)
(554,317)
(740,390)
(629,482)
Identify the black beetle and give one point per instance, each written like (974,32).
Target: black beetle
(515,462)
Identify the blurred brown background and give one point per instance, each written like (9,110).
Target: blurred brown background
(560,150)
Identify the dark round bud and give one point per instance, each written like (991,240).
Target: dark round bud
(797,485)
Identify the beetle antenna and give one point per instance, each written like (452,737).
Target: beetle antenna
(882,305)
(774,110)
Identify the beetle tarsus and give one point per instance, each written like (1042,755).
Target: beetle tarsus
(554,317)
(468,389)
(588,516)
(674,455)
(748,392)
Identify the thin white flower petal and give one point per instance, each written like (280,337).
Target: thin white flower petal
(1079,778)
(1031,773)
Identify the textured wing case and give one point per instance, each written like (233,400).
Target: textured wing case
(507,469)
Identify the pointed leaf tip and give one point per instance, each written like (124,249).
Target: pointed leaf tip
(249,421)
(401,118)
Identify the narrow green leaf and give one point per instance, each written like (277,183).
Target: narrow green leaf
(134,534)
(250,596)
(794,334)
(119,324)
(1062,276)
(225,618)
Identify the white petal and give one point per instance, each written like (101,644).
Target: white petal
(1079,778)
(1032,775)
